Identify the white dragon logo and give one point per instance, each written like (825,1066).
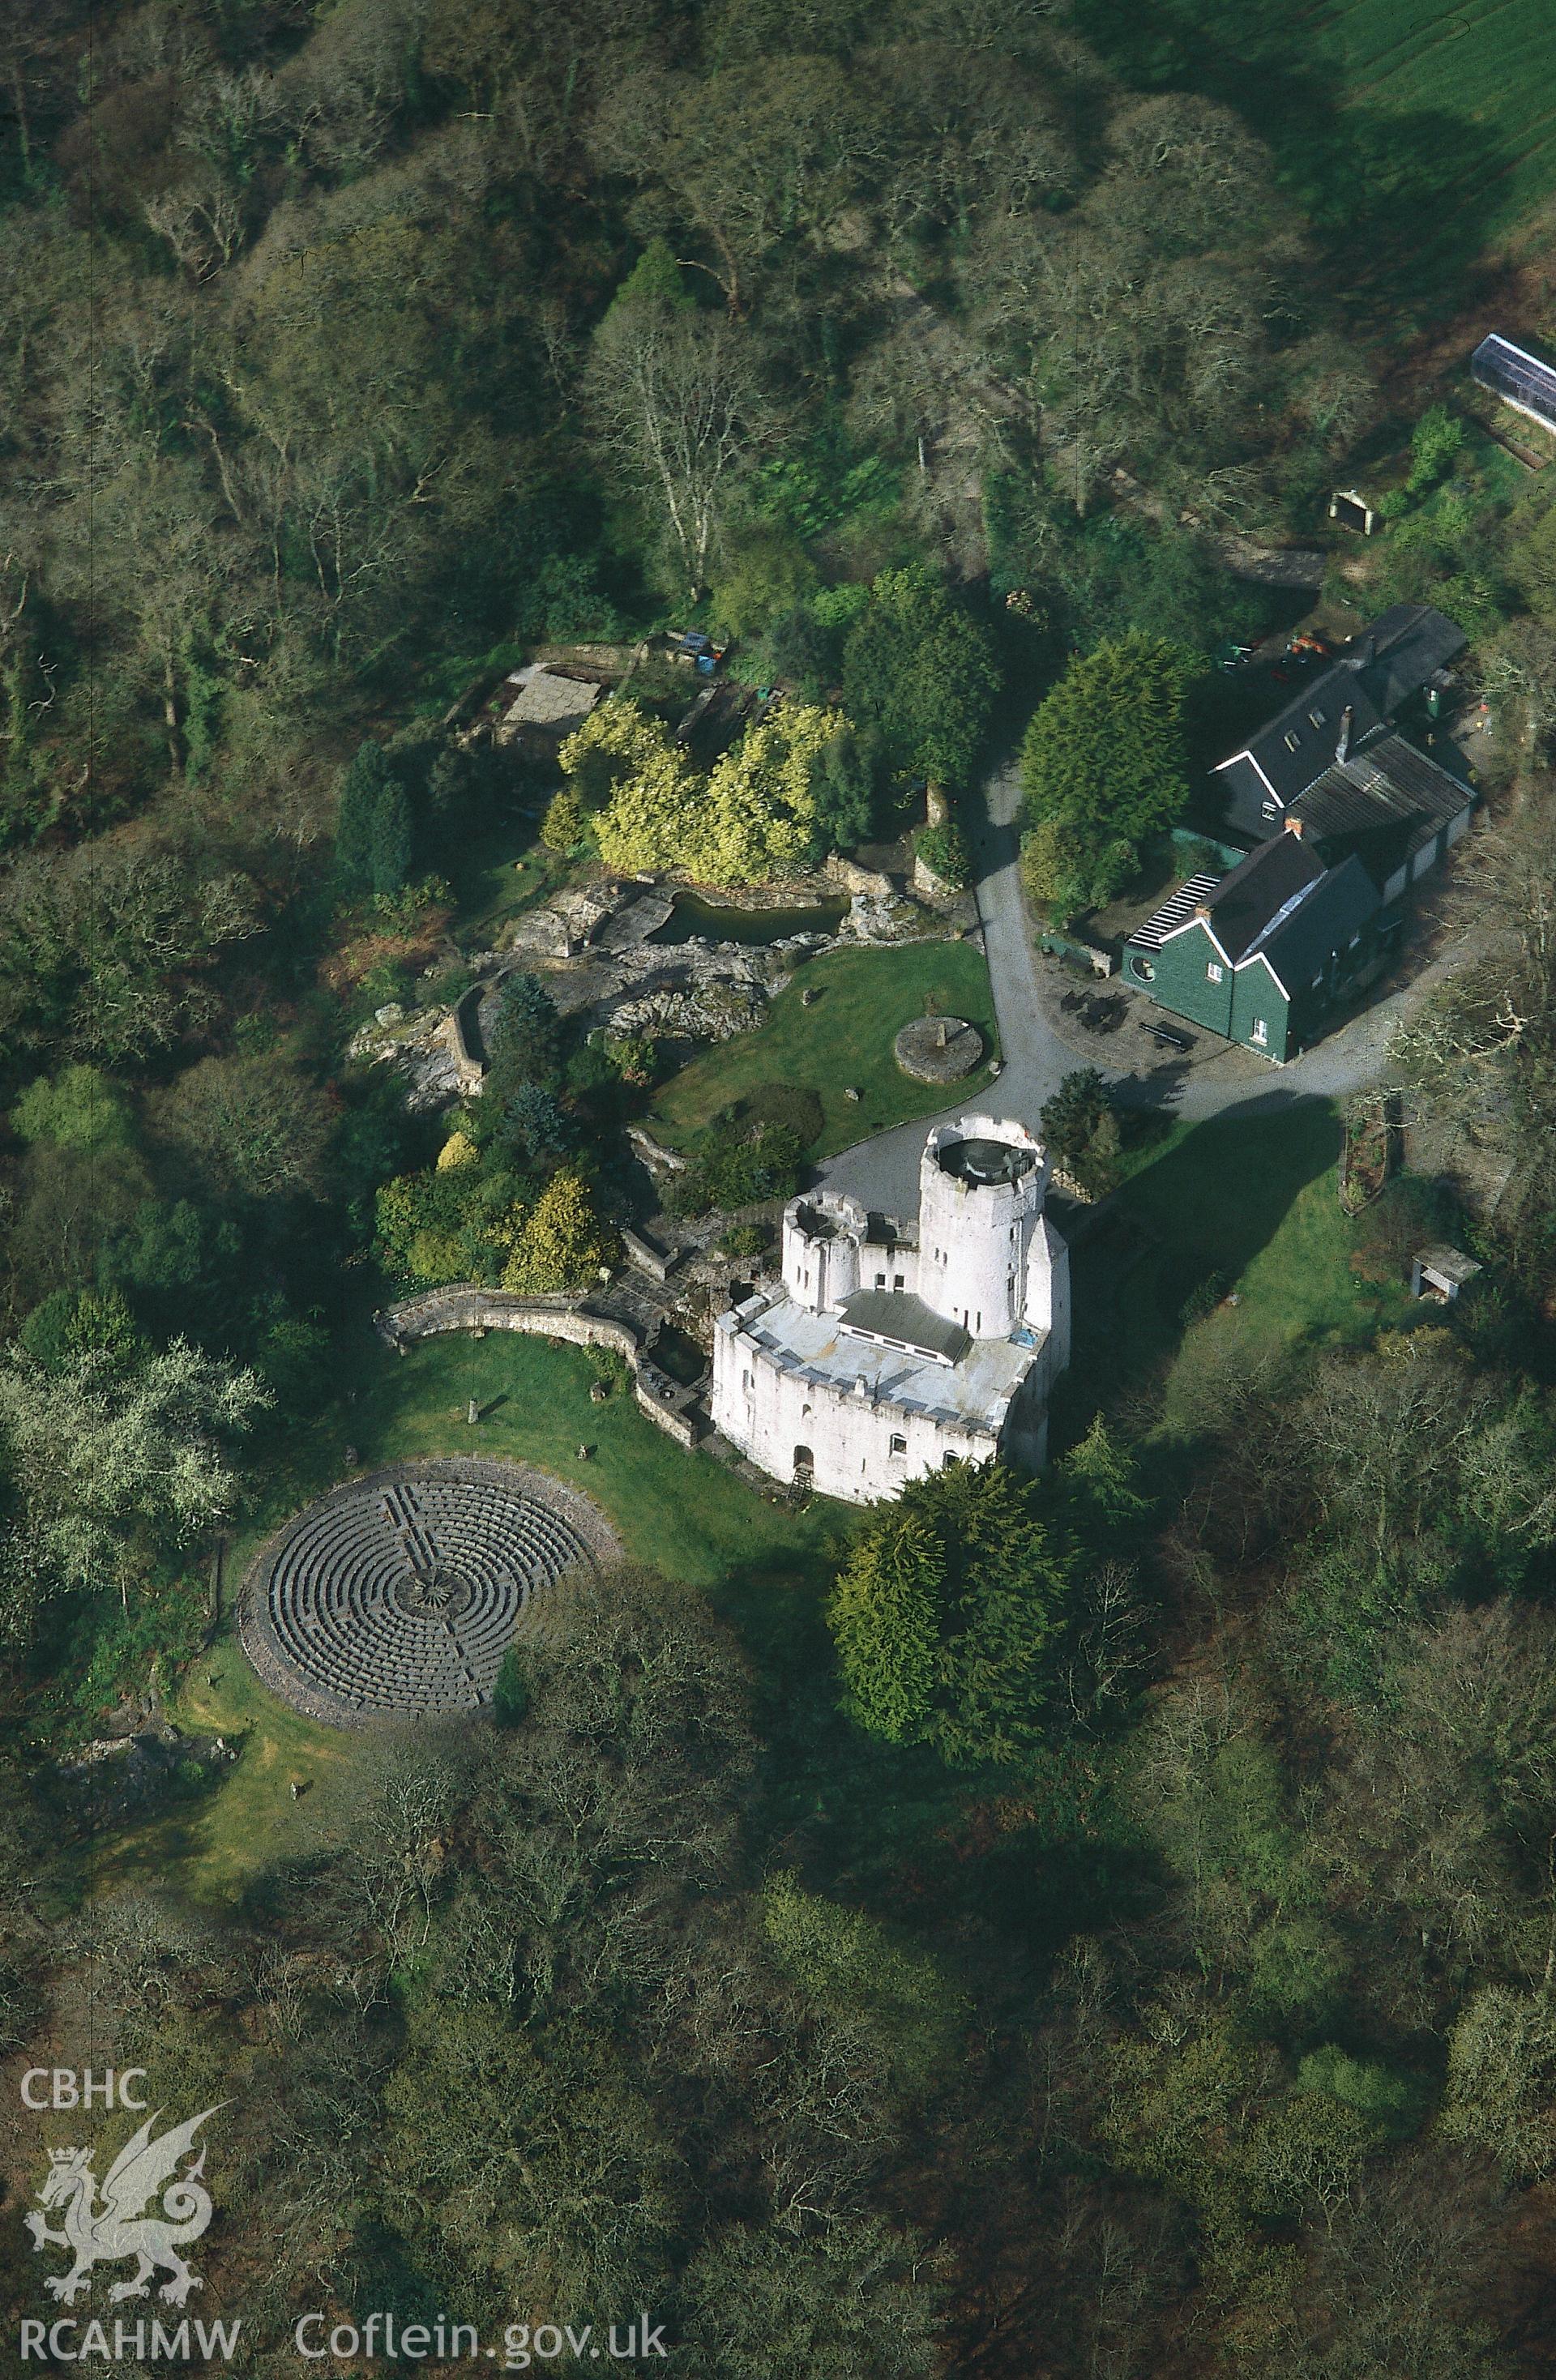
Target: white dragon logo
(101,2234)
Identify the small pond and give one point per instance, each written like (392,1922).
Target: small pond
(694,919)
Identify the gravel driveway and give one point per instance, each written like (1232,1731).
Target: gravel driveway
(1041,1044)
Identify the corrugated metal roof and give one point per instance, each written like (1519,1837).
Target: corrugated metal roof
(1392,784)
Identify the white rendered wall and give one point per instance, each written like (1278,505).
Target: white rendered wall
(767,1413)
(821,1269)
(973,1237)
(1047,1293)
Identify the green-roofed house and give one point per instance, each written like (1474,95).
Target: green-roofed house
(1263,955)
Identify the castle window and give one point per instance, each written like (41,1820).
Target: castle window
(879,1281)
(898,1280)
(746,1383)
(899,1444)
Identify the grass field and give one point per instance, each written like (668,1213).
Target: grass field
(1250,1201)
(1412,132)
(843,1039)
(1485,64)
(681,1511)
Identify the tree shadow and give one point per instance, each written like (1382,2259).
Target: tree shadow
(1402,200)
(1197,1215)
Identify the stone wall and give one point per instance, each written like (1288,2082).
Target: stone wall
(465,1306)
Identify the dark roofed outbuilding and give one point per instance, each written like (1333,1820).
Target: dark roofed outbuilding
(1342,711)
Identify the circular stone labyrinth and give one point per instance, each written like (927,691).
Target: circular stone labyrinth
(397,1596)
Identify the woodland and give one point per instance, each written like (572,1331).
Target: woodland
(1099,1928)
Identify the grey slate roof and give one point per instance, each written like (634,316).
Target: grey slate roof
(1370,676)
(1331,912)
(907,1321)
(1402,651)
(1246,903)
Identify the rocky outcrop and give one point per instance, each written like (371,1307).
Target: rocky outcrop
(592,948)
(121,1778)
(430,1051)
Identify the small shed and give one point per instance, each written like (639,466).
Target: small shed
(1442,1273)
(1350,510)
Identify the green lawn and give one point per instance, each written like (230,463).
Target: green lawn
(681,1511)
(490,887)
(867,996)
(1249,1200)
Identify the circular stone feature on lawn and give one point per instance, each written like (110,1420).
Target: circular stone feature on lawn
(938,1048)
(397,1596)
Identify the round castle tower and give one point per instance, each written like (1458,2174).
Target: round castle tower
(980,1199)
(821,1237)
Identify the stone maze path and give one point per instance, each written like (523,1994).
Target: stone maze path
(396,1596)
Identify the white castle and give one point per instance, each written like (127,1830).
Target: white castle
(889,1349)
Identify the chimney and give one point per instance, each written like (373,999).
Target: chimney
(1295,826)
(1347,721)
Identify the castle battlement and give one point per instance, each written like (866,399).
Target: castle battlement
(890,1346)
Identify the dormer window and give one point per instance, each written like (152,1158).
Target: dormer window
(1291,740)
(1317,717)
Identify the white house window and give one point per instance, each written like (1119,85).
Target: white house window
(1261,1031)
(899,1444)
(1213,972)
